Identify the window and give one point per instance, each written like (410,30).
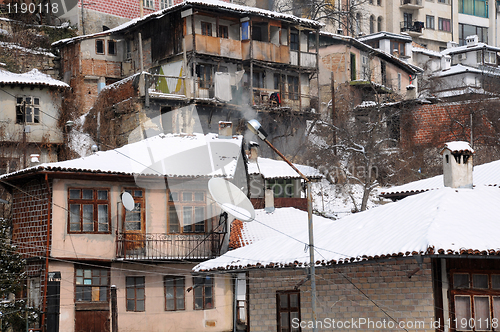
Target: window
(91,285)
(27,110)
(135,293)
(277,80)
(99,46)
(379,2)
(165,4)
(203,292)
(88,210)
(379,23)
(476,301)
(288,307)
(399,81)
(204,73)
(443,1)
(473,7)
(258,79)
(206,28)
(111,47)
(372,24)
(399,47)
(187,212)
(293,87)
(174,293)
(134,220)
(353,67)
(294,40)
(148,4)
(223,31)
(444,24)
(465,30)
(490,57)
(383,72)
(429,22)
(281,187)
(358,23)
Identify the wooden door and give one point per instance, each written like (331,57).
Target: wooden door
(134,227)
(92,321)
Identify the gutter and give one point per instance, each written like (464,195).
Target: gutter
(47,253)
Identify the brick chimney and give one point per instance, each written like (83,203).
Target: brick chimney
(225,129)
(457,164)
(254,151)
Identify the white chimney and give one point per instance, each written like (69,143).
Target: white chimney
(471,40)
(457,164)
(445,62)
(269,200)
(254,151)
(451,44)
(225,129)
(35,159)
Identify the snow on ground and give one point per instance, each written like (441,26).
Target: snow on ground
(79,141)
(336,201)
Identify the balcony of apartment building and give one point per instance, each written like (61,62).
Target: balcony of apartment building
(412,28)
(411,4)
(161,246)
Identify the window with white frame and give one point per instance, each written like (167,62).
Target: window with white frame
(165,4)
(27,109)
(149,4)
(490,57)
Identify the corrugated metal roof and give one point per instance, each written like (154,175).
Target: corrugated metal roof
(278,169)
(445,221)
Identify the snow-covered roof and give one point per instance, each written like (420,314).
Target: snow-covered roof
(416,48)
(385,35)
(446,221)
(366,47)
(24,50)
(458,146)
(171,155)
(461,69)
(278,169)
(33,77)
(482,175)
(465,48)
(282,220)
(219,5)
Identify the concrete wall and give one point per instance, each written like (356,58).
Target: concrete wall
(386,283)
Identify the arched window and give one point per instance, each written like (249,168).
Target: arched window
(372,24)
(379,23)
(379,2)
(358,24)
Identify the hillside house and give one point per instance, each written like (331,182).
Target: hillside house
(30,105)
(70,221)
(224,60)
(418,264)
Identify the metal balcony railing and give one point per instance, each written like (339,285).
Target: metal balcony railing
(159,246)
(414,26)
(411,2)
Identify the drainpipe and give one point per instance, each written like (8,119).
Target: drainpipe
(235,289)
(83,24)
(49,205)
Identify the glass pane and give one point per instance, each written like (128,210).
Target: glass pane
(294,319)
(87,273)
(36,101)
(87,281)
(130,305)
(138,193)
(95,294)
(88,218)
(170,304)
(187,218)
(139,293)
(187,196)
(102,195)
(284,320)
(173,197)
(495,281)
(79,280)
(462,313)
(74,193)
(103,294)
(480,281)
(133,226)
(180,304)
(173,220)
(87,194)
(95,280)
(208,303)
(74,217)
(169,283)
(294,300)
(102,217)
(28,100)
(169,293)
(198,303)
(200,197)
(79,294)
(496,312)
(208,291)
(87,294)
(460,280)
(79,273)
(130,281)
(482,313)
(104,281)
(284,300)
(130,293)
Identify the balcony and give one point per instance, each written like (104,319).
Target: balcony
(411,4)
(306,59)
(170,87)
(265,51)
(215,46)
(159,246)
(414,28)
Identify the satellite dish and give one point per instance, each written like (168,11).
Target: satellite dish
(127,201)
(231,199)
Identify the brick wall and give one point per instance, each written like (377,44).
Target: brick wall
(386,283)
(29,217)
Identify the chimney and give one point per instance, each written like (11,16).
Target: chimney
(269,200)
(445,62)
(254,151)
(451,44)
(457,164)
(471,40)
(35,159)
(225,129)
